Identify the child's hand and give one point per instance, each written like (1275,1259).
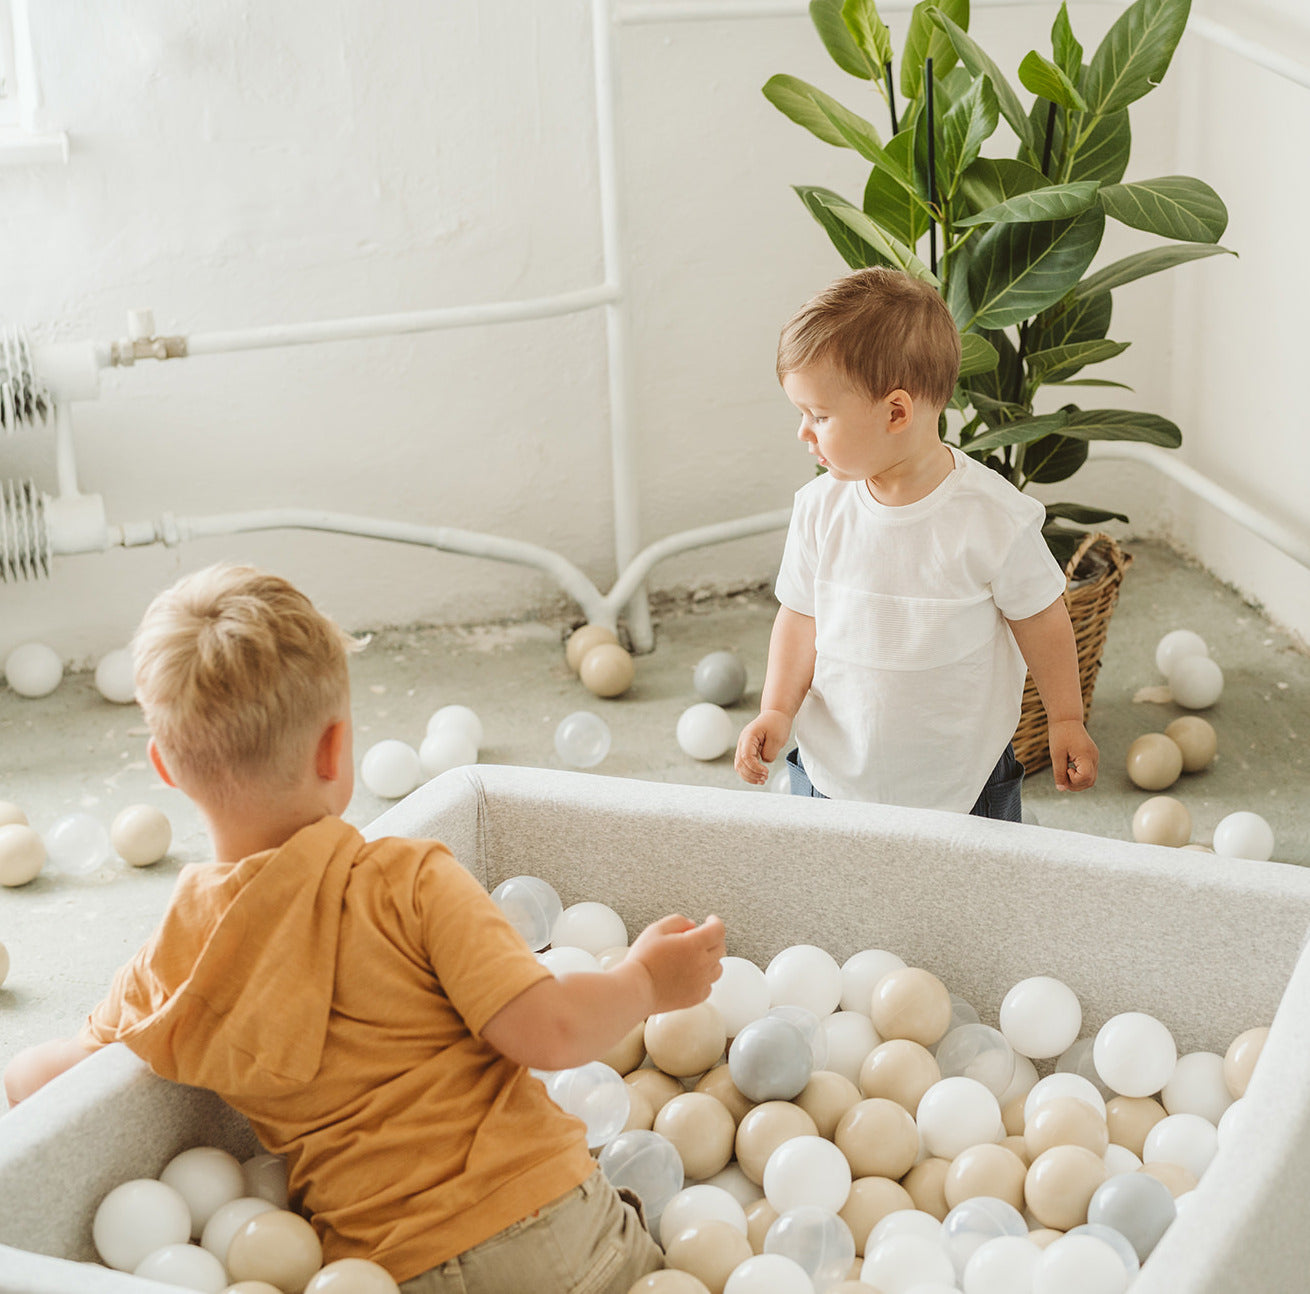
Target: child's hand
(759,744)
(1073,756)
(681,958)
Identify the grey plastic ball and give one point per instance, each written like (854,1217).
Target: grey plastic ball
(1136,1205)
(720,677)
(770,1060)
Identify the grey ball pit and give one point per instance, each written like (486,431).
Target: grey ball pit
(1210,946)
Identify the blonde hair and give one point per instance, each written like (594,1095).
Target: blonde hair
(238,674)
(882,329)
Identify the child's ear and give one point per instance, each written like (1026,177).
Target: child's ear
(331,751)
(158,761)
(900,410)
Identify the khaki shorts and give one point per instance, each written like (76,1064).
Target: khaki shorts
(586,1242)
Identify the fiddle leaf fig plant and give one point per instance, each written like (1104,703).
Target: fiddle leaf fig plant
(1011,239)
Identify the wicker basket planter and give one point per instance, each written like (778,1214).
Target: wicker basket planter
(1090,595)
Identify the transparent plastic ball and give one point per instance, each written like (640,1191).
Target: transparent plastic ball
(597,1095)
(740,994)
(720,678)
(805,975)
(769,1060)
(445,749)
(706,731)
(816,1239)
(391,769)
(115,677)
(1022,1082)
(1080,1060)
(582,739)
(974,1221)
(646,1164)
(980,1052)
(1175,645)
(812,1027)
(703,1202)
(860,972)
(1196,682)
(1001,1265)
(807,1170)
(1079,1265)
(780,783)
(1040,1017)
(460,719)
(769,1274)
(531,906)
(77,844)
(956,1113)
(1136,1205)
(593,926)
(1244,835)
(1134,1053)
(901,1262)
(33,669)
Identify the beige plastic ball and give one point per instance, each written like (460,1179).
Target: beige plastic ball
(760,1216)
(1177,1178)
(251,1287)
(686,1042)
(1012,1115)
(581,641)
(352,1276)
(279,1247)
(1065,1121)
(1239,1059)
(1196,738)
(1130,1118)
(826,1098)
(717,1082)
(911,1003)
(1154,761)
(607,670)
(4,963)
(986,1170)
(640,1114)
(1043,1236)
(1018,1146)
(629,1051)
(11,813)
(872,1199)
(710,1251)
(926,1183)
(900,1070)
(879,1138)
(1162,820)
(764,1129)
(702,1132)
(141,835)
(1060,1184)
(658,1088)
(22,854)
(668,1281)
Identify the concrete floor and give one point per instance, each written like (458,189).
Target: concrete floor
(73,751)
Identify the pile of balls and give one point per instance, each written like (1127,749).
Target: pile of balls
(852,1128)
(211,1223)
(1156,760)
(34,670)
(393,768)
(79,843)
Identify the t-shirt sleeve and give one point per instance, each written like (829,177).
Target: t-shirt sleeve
(480,960)
(1029,579)
(800,559)
(102,1026)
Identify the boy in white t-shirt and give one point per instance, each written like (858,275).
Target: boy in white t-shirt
(915,584)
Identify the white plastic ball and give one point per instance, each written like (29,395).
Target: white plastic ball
(592,926)
(972,1222)
(22,854)
(187,1266)
(906,1222)
(704,1203)
(582,739)
(956,1113)
(1119,1159)
(977,1051)
(706,731)
(740,994)
(811,1026)
(352,1276)
(1244,835)
(597,1095)
(1135,1054)
(1079,1265)
(33,670)
(816,1239)
(646,1164)
(720,678)
(804,975)
(1231,1122)
(77,844)
(1184,1139)
(769,1274)
(391,769)
(531,906)
(897,1264)
(228,1219)
(1196,682)
(1058,1084)
(135,1219)
(860,972)
(1116,1240)
(564,961)
(445,749)
(1040,1017)
(807,1170)
(1175,645)
(205,1177)
(735,1182)
(458,718)
(851,1037)
(141,835)
(1197,1087)
(114,677)
(1001,1265)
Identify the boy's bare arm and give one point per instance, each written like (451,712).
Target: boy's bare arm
(786,681)
(34,1067)
(575,1018)
(1051,651)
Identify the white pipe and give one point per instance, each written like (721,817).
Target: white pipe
(1286,540)
(1252,51)
(411,321)
(65,458)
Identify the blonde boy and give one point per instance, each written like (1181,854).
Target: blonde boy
(365,1005)
(915,583)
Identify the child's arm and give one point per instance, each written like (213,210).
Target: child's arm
(572,1019)
(786,681)
(1051,651)
(34,1067)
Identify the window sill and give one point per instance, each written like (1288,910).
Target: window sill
(22,148)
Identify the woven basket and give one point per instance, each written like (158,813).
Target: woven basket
(1091,599)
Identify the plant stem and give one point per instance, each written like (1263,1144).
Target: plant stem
(932,165)
(1050,139)
(891,94)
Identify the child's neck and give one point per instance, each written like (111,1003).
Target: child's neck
(237,831)
(914,477)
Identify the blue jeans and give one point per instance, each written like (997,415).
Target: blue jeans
(1000,798)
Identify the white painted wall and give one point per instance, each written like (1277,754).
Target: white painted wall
(249,164)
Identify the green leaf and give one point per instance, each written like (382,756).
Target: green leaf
(1080,513)
(1092,381)
(1064,45)
(827,20)
(1060,362)
(1053,458)
(1103,155)
(1073,319)
(848,127)
(925,40)
(853,249)
(979,63)
(1022,432)
(977,355)
(1173,206)
(1135,54)
(1048,81)
(808,106)
(966,126)
(892,249)
(1017,270)
(998,390)
(869,34)
(890,199)
(1062,541)
(1141,264)
(1123,424)
(992,180)
(1055,202)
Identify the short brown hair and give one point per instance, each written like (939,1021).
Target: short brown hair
(882,329)
(237,673)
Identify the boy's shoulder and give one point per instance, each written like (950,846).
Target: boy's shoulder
(993,490)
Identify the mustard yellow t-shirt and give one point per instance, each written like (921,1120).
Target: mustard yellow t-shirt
(333,991)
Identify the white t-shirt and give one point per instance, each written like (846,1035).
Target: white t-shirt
(918,681)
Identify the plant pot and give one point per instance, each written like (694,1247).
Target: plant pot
(1094,574)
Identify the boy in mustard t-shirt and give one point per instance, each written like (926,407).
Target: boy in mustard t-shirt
(364,1004)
